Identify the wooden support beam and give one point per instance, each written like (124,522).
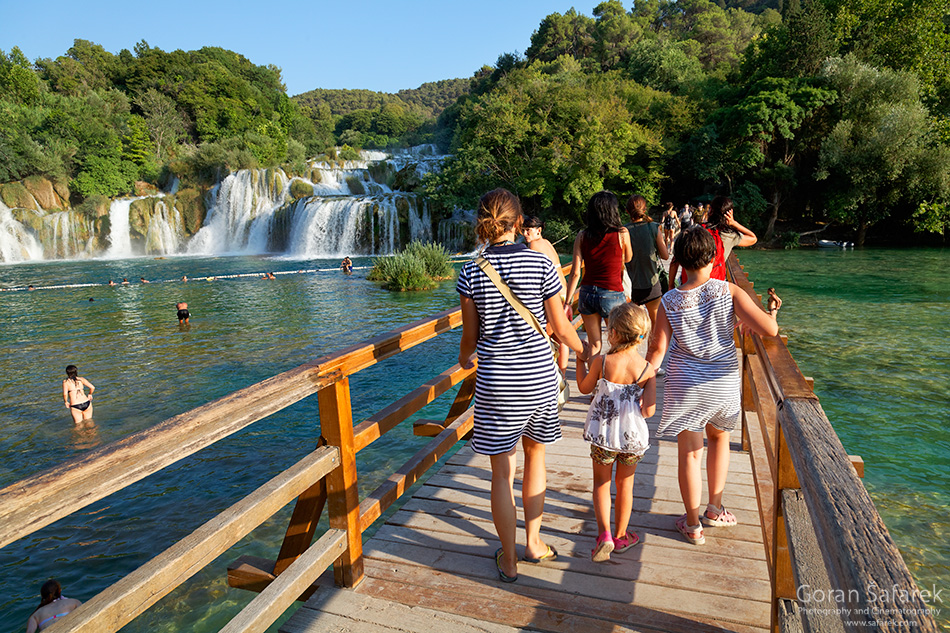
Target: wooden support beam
(858,462)
(119,604)
(376,426)
(281,593)
(303,525)
(373,506)
(336,424)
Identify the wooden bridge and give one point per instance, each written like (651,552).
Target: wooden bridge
(808,527)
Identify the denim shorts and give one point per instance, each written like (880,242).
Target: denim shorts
(597,300)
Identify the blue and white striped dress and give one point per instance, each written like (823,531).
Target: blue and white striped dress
(702,377)
(516,384)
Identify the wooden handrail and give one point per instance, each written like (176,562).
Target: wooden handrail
(799,463)
(118,605)
(37,501)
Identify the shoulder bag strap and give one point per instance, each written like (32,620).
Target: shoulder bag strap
(515,302)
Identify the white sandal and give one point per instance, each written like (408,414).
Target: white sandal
(722,518)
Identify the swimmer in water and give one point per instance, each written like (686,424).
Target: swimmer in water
(184,277)
(143,280)
(125,281)
(346,265)
(183,313)
(775,302)
(111,283)
(74,395)
(53,605)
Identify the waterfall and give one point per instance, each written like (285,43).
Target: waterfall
(17,243)
(165,229)
(241,213)
(120,242)
(334,208)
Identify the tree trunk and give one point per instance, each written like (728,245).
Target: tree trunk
(770,229)
(862,231)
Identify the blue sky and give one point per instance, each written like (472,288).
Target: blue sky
(373,44)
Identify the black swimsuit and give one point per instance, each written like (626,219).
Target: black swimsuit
(82,406)
(183,314)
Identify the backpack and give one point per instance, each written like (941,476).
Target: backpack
(719,261)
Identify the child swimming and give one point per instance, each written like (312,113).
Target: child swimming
(625,394)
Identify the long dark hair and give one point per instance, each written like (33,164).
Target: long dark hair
(72,372)
(603,216)
(49,592)
(717,214)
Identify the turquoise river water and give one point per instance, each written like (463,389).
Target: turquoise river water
(868,325)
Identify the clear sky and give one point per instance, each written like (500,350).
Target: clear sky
(374,44)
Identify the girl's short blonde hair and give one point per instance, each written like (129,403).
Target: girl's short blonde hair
(631,324)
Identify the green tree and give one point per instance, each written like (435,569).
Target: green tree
(555,136)
(881,155)
(166,124)
(18,81)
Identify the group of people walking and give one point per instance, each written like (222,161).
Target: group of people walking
(512,297)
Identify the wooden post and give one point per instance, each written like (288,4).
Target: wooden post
(463,399)
(336,425)
(783,577)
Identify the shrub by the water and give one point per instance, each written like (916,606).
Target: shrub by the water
(418,267)
(435,257)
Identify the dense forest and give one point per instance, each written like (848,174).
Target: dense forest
(811,114)
(832,114)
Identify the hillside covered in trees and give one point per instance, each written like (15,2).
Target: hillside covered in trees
(831,111)
(809,113)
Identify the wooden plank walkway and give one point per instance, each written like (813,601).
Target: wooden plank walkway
(431,566)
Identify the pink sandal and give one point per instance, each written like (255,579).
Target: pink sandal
(625,542)
(605,545)
(721,517)
(692,533)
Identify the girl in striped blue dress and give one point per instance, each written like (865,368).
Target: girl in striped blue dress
(696,321)
(516,383)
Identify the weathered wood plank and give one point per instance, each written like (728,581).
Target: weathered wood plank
(354,612)
(808,565)
(845,520)
(377,425)
(303,524)
(280,594)
(764,486)
(543,588)
(118,605)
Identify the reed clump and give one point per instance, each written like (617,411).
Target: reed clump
(420,266)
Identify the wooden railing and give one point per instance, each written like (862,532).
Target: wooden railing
(832,563)
(820,527)
(327,477)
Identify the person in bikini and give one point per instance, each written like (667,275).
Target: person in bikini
(53,605)
(183,313)
(74,395)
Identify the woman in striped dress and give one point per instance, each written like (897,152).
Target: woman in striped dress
(701,392)
(516,383)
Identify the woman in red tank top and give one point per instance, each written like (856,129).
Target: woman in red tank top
(601,250)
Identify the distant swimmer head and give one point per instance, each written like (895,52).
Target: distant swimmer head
(72,372)
(695,248)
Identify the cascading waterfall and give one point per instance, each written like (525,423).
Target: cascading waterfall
(165,229)
(17,244)
(334,208)
(120,242)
